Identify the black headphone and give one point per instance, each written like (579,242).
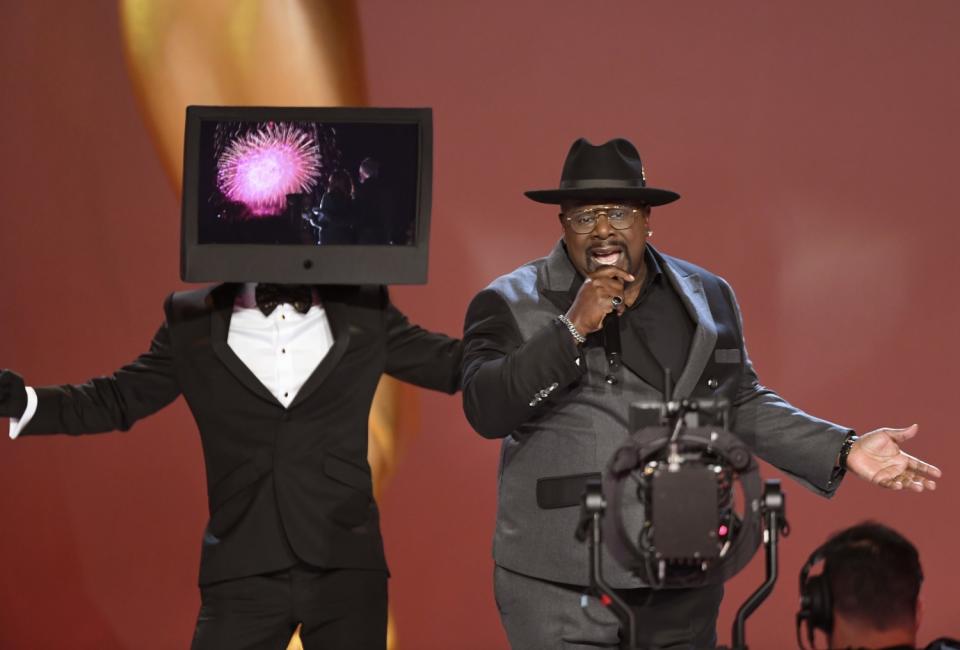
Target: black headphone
(816,601)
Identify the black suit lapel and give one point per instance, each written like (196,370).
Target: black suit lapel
(338,314)
(557,280)
(223,298)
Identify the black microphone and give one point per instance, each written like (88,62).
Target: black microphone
(611,344)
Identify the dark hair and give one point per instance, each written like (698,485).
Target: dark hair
(874,575)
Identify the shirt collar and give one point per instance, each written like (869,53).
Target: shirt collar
(654,270)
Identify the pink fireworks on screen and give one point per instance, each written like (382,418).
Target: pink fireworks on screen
(260,168)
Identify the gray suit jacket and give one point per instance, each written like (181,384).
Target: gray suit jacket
(525,381)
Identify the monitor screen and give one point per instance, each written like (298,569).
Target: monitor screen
(318,195)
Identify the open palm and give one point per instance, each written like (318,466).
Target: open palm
(877,457)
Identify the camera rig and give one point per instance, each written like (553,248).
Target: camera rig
(667,508)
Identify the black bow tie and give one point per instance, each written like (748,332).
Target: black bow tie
(271,295)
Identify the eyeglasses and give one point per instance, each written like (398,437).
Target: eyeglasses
(584,220)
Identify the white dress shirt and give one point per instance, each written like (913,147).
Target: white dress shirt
(282,349)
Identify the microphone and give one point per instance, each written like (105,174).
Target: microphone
(611,344)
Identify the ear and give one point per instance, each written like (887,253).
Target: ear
(918,617)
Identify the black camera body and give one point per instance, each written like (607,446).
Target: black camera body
(670,490)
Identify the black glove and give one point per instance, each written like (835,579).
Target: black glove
(13,395)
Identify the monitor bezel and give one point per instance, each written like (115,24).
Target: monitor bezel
(297,263)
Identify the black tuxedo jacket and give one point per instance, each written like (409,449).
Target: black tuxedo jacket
(283,484)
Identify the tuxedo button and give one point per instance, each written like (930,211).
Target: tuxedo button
(712,383)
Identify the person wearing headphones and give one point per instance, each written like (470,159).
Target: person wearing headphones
(867,595)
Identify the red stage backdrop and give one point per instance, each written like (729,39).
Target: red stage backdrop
(815,148)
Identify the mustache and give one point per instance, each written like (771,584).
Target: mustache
(607,248)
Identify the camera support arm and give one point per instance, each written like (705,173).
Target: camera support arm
(590,529)
(774,514)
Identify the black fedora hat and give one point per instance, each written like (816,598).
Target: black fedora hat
(610,171)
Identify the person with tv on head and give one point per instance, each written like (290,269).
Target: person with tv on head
(867,595)
(536,375)
(280,379)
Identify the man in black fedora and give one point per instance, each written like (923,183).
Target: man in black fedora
(536,375)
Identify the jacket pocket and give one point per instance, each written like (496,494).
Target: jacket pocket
(731,355)
(563,491)
(347,473)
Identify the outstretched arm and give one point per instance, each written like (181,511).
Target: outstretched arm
(109,403)
(810,448)
(421,357)
(804,446)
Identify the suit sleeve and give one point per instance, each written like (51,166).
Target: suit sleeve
(111,403)
(503,374)
(799,444)
(420,357)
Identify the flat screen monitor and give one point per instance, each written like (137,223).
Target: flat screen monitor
(306,195)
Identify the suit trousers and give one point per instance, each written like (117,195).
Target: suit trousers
(541,615)
(339,608)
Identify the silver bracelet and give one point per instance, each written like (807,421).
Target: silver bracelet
(573,330)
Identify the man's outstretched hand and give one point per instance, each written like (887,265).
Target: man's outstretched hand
(13,395)
(877,457)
